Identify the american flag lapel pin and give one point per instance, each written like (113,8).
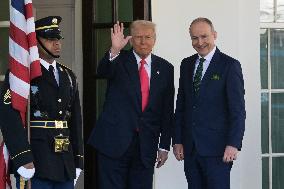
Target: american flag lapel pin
(158,72)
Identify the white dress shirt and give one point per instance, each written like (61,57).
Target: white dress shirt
(46,66)
(206,63)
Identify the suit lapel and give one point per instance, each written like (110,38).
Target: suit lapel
(191,72)
(155,79)
(132,71)
(213,68)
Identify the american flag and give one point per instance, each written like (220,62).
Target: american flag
(24,65)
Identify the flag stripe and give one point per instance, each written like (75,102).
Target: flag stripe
(19,5)
(34,54)
(18,69)
(21,88)
(18,53)
(18,19)
(29,10)
(30,25)
(18,36)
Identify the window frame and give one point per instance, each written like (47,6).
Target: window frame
(270,155)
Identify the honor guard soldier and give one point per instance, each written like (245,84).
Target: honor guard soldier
(55,152)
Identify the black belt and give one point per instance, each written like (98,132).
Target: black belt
(49,124)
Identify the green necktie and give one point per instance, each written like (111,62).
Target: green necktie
(198,76)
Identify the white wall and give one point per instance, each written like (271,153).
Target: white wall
(237,24)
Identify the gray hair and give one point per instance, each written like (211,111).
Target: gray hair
(202,19)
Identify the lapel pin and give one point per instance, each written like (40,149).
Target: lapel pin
(158,72)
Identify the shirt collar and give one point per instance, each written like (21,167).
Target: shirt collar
(147,59)
(209,56)
(46,64)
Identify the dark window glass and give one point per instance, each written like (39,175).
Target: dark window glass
(103,11)
(277,122)
(277,58)
(265,173)
(264,58)
(264,122)
(278,173)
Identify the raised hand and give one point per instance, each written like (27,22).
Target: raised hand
(118,41)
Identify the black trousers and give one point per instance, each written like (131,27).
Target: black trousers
(126,172)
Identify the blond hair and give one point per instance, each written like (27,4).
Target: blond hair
(142,23)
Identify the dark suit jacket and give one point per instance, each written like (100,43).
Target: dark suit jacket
(46,106)
(216,117)
(122,114)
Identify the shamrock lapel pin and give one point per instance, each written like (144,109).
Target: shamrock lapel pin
(215,77)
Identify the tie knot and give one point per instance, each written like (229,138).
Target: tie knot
(142,62)
(201,60)
(51,68)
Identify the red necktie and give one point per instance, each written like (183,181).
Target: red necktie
(144,82)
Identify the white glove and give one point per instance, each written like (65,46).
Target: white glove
(27,174)
(78,171)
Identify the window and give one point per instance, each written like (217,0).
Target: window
(4,40)
(272,92)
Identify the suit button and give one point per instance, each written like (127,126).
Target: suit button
(193,123)
(60,112)
(194,107)
(59,100)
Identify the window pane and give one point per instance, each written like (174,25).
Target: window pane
(266,11)
(4,50)
(264,122)
(265,173)
(4,10)
(278,173)
(280,11)
(126,33)
(125,10)
(277,122)
(102,42)
(264,58)
(277,58)
(103,11)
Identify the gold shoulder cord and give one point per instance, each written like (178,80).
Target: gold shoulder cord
(22,183)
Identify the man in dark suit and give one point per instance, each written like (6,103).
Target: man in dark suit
(137,117)
(56,146)
(210,111)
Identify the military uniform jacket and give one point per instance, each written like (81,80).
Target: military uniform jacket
(51,102)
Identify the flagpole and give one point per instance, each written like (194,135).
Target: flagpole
(29,185)
(28,119)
